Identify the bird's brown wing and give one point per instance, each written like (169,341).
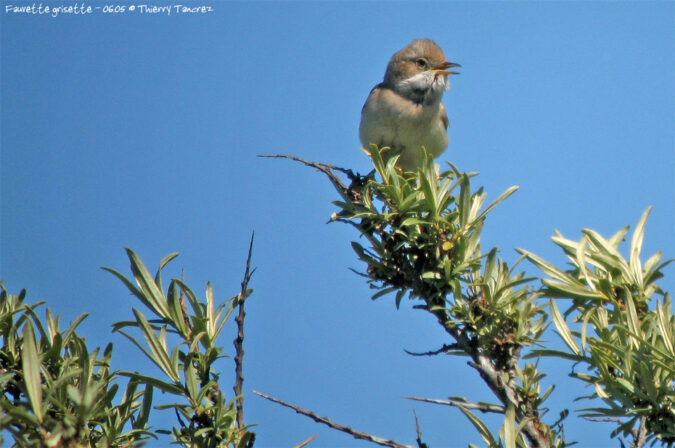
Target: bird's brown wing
(444,117)
(377,87)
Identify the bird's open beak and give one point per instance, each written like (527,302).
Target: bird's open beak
(441,69)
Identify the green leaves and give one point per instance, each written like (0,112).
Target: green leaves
(57,392)
(182,343)
(422,238)
(625,340)
(31,369)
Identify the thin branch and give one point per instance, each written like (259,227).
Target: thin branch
(640,434)
(326,421)
(482,407)
(445,348)
(239,340)
(504,391)
(306,442)
(323,167)
(605,420)
(350,193)
(420,444)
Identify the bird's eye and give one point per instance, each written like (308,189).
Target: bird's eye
(421,63)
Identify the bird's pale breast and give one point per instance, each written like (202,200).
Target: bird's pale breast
(387,119)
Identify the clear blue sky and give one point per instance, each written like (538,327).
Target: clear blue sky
(143,130)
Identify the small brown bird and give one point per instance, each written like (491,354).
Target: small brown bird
(405,111)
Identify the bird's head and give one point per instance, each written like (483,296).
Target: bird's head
(419,71)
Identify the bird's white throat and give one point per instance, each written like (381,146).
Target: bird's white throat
(427,86)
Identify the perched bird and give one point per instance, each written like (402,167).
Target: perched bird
(405,111)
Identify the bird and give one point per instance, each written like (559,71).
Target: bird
(404,112)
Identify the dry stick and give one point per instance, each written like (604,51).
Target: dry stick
(306,442)
(482,407)
(420,444)
(239,340)
(328,171)
(326,421)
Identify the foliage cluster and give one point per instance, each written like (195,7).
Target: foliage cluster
(423,232)
(421,238)
(58,393)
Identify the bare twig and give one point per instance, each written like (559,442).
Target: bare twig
(605,420)
(326,421)
(239,340)
(350,193)
(306,442)
(323,167)
(482,407)
(420,444)
(445,348)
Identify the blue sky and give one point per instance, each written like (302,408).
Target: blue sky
(142,131)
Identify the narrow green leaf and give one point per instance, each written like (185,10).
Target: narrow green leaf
(144,414)
(636,248)
(509,191)
(581,262)
(663,316)
(626,385)
(383,292)
(413,222)
(195,304)
(210,307)
(162,263)
(71,330)
(152,293)
(547,267)
(584,327)
(161,356)
(572,290)
(563,329)
(556,353)
(598,390)
(607,249)
(176,310)
(429,189)
(376,157)
(149,380)
(399,296)
(130,286)
(480,426)
(191,378)
(510,426)
(618,237)
(464,196)
(632,318)
(31,369)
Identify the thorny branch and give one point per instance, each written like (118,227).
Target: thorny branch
(326,421)
(418,431)
(482,407)
(239,340)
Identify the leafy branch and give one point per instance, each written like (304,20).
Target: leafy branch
(620,327)
(205,419)
(423,240)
